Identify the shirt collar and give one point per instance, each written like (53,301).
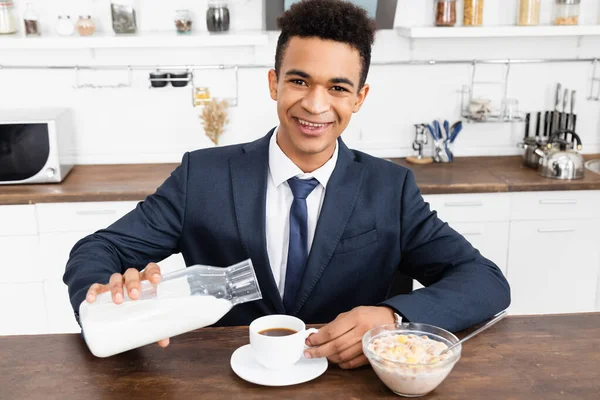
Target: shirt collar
(282,168)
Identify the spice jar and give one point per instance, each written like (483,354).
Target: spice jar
(201,96)
(566,12)
(64,26)
(31,21)
(445,13)
(529,12)
(8,24)
(85,25)
(183,21)
(473,13)
(217,17)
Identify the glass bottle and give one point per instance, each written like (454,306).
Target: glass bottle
(183,22)
(85,25)
(8,24)
(183,301)
(529,13)
(217,16)
(566,12)
(31,21)
(445,13)
(64,26)
(473,13)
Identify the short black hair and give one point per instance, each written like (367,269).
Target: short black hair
(336,20)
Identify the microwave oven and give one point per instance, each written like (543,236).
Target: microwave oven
(34,145)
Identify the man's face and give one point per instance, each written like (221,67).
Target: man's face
(317,92)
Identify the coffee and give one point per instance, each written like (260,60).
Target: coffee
(277,332)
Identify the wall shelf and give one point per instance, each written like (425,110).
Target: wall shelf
(139,40)
(432,32)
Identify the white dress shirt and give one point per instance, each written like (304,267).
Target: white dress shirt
(279,202)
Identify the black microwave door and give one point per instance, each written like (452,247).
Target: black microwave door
(24,150)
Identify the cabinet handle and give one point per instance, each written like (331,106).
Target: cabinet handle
(472,233)
(464,204)
(95,212)
(555,230)
(558,201)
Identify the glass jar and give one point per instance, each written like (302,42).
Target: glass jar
(31,21)
(445,13)
(64,26)
(201,96)
(85,25)
(8,24)
(473,13)
(529,13)
(183,22)
(217,16)
(566,12)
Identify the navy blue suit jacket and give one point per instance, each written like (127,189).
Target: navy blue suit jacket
(373,222)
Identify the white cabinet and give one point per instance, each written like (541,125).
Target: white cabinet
(19,244)
(553,266)
(23,309)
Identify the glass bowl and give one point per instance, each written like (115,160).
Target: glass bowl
(411,380)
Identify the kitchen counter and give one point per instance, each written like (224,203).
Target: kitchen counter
(529,357)
(136,181)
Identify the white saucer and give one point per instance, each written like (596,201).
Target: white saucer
(246,367)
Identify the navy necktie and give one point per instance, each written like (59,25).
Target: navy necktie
(298,248)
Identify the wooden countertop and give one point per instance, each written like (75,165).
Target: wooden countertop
(522,357)
(136,181)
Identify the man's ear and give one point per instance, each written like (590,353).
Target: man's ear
(360,98)
(273,84)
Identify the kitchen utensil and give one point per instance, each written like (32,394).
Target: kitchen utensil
(572,114)
(563,124)
(547,126)
(560,159)
(488,324)
(438,130)
(527,117)
(555,117)
(418,144)
(455,130)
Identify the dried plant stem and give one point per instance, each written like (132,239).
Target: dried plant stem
(214,118)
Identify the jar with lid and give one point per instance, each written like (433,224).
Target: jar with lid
(8,24)
(445,12)
(31,21)
(64,26)
(529,13)
(183,22)
(473,12)
(217,16)
(85,25)
(566,12)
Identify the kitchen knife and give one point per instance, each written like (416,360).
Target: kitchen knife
(563,115)
(555,117)
(572,117)
(547,123)
(538,126)
(527,117)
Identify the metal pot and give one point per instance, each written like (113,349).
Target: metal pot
(530,157)
(560,160)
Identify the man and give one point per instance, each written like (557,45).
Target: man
(326,227)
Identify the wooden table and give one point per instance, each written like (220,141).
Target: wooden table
(524,357)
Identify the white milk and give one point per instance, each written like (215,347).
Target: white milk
(138,323)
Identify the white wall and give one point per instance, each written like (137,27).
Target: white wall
(139,124)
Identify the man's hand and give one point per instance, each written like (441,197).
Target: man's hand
(131,280)
(341,340)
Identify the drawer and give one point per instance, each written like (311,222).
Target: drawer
(26,314)
(481,207)
(80,217)
(19,259)
(555,205)
(17,220)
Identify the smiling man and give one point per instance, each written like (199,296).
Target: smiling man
(326,227)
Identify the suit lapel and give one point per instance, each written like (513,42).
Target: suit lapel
(340,197)
(249,173)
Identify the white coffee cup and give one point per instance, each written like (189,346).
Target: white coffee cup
(275,352)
